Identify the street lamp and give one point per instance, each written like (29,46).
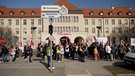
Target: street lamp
(99,27)
(33,34)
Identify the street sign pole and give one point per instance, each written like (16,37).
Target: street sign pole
(51,49)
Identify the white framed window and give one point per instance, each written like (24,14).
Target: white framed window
(106,30)
(39,21)
(126,21)
(1,21)
(24,22)
(39,30)
(119,22)
(93,30)
(33,13)
(1,13)
(86,30)
(17,21)
(120,13)
(32,21)
(9,22)
(99,22)
(91,13)
(113,30)
(86,21)
(24,30)
(22,13)
(113,21)
(17,30)
(11,13)
(93,21)
(132,22)
(106,22)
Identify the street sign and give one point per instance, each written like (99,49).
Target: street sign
(50,8)
(51,38)
(50,14)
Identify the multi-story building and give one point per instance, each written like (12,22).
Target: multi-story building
(76,24)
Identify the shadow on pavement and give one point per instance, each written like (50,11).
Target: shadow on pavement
(44,63)
(121,64)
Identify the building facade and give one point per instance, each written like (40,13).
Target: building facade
(76,25)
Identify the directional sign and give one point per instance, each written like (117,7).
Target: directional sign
(50,15)
(50,8)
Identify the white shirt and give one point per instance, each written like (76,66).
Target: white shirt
(108,49)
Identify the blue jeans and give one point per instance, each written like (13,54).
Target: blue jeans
(4,56)
(49,60)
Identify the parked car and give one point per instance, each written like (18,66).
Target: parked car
(130,57)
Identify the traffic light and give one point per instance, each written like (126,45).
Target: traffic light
(50,29)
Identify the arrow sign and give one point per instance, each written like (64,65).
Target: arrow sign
(50,15)
(50,8)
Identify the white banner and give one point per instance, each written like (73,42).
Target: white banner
(102,40)
(133,41)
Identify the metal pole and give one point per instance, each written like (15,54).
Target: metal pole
(50,48)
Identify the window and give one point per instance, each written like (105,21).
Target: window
(39,21)
(91,13)
(22,13)
(126,30)
(133,30)
(93,30)
(106,22)
(77,28)
(1,13)
(113,22)
(107,30)
(93,21)
(113,30)
(33,13)
(39,30)
(24,30)
(126,21)
(120,13)
(119,22)
(60,29)
(24,22)
(1,21)
(86,30)
(132,22)
(11,13)
(110,13)
(129,13)
(9,22)
(120,30)
(86,21)
(32,21)
(101,13)
(17,30)
(17,21)
(24,41)
(99,22)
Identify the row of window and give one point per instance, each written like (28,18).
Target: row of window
(22,13)
(110,13)
(113,22)
(18,22)
(66,19)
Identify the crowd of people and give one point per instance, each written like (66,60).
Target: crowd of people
(71,51)
(13,53)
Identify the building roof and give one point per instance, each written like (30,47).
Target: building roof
(68,5)
(117,12)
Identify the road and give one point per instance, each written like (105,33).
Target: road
(65,68)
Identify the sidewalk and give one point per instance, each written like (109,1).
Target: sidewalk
(65,68)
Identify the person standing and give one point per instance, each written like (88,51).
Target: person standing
(48,51)
(30,53)
(96,54)
(108,52)
(12,51)
(4,53)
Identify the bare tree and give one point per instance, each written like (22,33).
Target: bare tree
(124,32)
(6,34)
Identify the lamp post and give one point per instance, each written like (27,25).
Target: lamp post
(33,34)
(99,27)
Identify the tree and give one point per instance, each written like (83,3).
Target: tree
(124,32)
(5,33)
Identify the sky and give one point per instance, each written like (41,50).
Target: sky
(77,3)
